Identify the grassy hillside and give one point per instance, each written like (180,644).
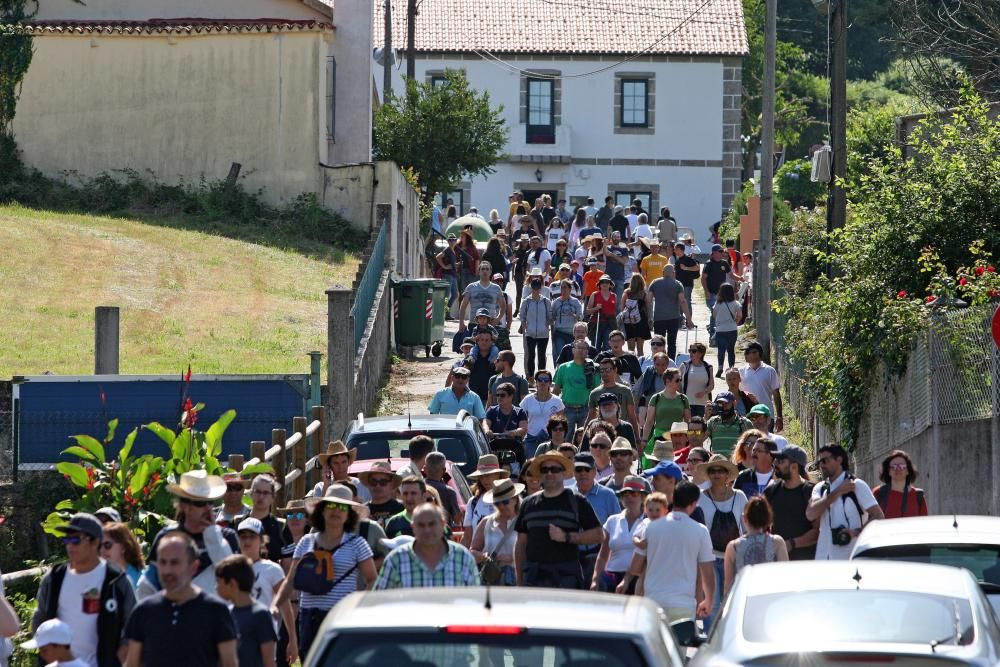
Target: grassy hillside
(222,305)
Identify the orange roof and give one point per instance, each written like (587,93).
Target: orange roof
(178,25)
(658,27)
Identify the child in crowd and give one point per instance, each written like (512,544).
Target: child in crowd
(234,578)
(52,640)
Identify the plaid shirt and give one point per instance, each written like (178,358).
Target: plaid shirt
(404,569)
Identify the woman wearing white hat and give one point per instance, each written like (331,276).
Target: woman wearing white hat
(495,537)
(332,553)
(487,471)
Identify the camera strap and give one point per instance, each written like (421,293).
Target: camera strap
(843,501)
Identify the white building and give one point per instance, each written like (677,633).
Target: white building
(629,100)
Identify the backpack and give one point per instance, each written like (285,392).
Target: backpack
(630,312)
(687,371)
(861,513)
(882,496)
(725,528)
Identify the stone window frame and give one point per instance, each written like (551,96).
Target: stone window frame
(545,74)
(650,78)
(654,195)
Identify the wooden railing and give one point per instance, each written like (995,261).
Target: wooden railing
(302,449)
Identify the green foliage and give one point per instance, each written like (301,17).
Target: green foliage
(793,185)
(443,133)
(918,230)
(798,260)
(15,58)
(24,605)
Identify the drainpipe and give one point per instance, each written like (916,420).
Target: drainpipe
(315,378)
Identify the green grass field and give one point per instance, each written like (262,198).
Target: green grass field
(222,305)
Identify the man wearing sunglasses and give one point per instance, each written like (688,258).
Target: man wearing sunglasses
(789,496)
(90,595)
(842,503)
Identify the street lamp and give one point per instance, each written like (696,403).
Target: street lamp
(538,175)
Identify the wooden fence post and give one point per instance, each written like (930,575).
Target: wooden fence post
(340,360)
(299,457)
(278,462)
(236,462)
(258,450)
(317,444)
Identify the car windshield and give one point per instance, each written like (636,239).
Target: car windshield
(851,616)
(476,650)
(983,560)
(457,446)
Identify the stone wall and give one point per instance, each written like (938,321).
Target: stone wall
(372,359)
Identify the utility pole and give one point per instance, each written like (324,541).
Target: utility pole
(837,205)
(411,20)
(387,53)
(761,267)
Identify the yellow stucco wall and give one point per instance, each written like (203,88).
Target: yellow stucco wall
(181,106)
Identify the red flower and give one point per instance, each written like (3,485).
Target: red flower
(993,293)
(930,298)
(980,270)
(190,414)
(990,269)
(901,294)
(963,281)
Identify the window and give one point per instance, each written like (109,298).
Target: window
(635,102)
(438,80)
(457,198)
(625,199)
(541,127)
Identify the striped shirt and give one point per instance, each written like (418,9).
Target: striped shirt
(353,550)
(404,569)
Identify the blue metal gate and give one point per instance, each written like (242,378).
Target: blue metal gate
(48,410)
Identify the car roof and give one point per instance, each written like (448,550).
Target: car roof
(410,423)
(883,575)
(544,609)
(940,529)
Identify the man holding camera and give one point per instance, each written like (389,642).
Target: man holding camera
(841,503)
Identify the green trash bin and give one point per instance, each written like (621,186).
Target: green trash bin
(415,307)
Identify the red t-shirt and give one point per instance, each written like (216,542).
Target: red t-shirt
(893,507)
(608,306)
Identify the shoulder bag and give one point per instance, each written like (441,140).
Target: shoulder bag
(490,571)
(314,574)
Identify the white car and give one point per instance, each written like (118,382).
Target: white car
(968,541)
(479,626)
(865,612)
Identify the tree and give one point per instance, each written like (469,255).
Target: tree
(443,133)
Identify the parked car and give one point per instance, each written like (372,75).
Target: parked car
(478,626)
(862,612)
(968,541)
(459,437)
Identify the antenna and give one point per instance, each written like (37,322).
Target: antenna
(489,605)
(954,521)
(409,419)
(857,578)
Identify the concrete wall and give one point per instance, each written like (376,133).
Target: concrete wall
(139,10)
(352,51)
(180,106)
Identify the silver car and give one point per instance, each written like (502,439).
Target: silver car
(853,613)
(479,627)
(972,542)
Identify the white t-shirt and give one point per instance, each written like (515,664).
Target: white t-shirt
(734,505)
(761,382)
(698,379)
(620,541)
(68,663)
(543,257)
(540,411)
(475,511)
(552,237)
(643,232)
(363,493)
(266,575)
(633,221)
(842,513)
(77,591)
(675,547)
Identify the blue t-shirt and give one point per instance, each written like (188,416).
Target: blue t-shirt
(501,423)
(615,270)
(256,627)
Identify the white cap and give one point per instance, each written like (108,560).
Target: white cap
(396,542)
(251,524)
(52,631)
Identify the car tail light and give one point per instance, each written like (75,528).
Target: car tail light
(484,629)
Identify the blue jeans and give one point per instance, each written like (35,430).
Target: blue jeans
(559,341)
(309,622)
(710,302)
(725,341)
(452,287)
(576,418)
(720,579)
(687,294)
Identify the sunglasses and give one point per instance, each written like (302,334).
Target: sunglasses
(72,539)
(544,380)
(694,351)
(823,460)
(898,466)
(339,506)
(599,445)
(657,344)
(503,502)
(381,481)
(619,453)
(717,471)
(582,469)
(107,544)
(295,515)
(201,503)
(550,470)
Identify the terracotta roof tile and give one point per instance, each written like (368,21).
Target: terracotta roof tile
(178,25)
(679,27)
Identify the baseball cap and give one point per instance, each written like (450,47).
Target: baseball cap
(634,483)
(666,468)
(52,631)
(795,454)
(109,513)
(468,341)
(607,397)
(716,247)
(251,524)
(452,237)
(85,524)
(724,397)
(584,460)
(759,409)
(565,267)
(483,312)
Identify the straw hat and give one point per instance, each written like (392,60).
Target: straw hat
(502,490)
(297,505)
(336,493)
(379,468)
(337,448)
(488,464)
(663,450)
(622,444)
(718,461)
(236,478)
(605,278)
(535,272)
(551,457)
(198,485)
(679,427)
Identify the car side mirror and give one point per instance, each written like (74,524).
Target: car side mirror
(687,634)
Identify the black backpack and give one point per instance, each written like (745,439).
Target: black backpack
(882,496)
(725,528)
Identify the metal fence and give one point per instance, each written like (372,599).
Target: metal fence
(367,287)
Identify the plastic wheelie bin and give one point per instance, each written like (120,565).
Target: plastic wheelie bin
(418,313)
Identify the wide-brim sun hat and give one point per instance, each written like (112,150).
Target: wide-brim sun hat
(297,505)
(605,278)
(198,485)
(718,461)
(488,464)
(551,457)
(502,490)
(337,448)
(384,467)
(336,493)
(663,450)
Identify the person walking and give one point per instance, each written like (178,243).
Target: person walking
(579,333)
(266,579)
(551,526)
(504,366)
(664,408)
(761,380)
(429,560)
(573,382)
(539,407)
(495,536)
(617,548)
(789,496)
(725,426)
(607,366)
(382,483)
(452,400)
(254,624)
(182,624)
(756,478)
(325,559)
(487,471)
(93,597)
(505,420)
(536,318)
(652,379)
(723,508)
(714,274)
(262,490)
(665,299)
(482,294)
(556,429)
(728,318)
(121,549)
(450,265)
(756,545)
(52,640)
(519,261)
(629,368)
(336,463)
(622,455)
(566,312)
(697,380)
(601,499)
(635,315)
(841,504)
(896,495)
(602,309)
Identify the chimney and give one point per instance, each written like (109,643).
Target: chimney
(352,52)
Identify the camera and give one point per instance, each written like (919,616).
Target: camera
(841,536)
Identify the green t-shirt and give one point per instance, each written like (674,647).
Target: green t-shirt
(669,410)
(725,434)
(573,383)
(624,394)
